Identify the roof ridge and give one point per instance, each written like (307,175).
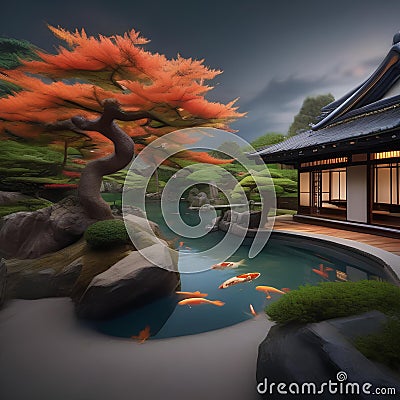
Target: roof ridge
(361,115)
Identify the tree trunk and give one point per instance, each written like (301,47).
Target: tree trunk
(92,175)
(65,153)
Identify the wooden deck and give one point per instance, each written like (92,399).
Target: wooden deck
(286,223)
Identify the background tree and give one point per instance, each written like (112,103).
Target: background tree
(113,91)
(11,52)
(309,112)
(227,150)
(268,139)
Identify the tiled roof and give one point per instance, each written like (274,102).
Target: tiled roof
(369,120)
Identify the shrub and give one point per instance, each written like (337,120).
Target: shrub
(384,346)
(335,299)
(106,234)
(287,184)
(275,173)
(289,174)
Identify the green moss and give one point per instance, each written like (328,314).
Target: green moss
(107,234)
(335,299)
(384,346)
(24,205)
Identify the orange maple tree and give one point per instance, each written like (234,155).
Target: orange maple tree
(113,91)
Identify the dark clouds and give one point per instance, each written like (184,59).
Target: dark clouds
(273,53)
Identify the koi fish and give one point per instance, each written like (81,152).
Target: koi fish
(252,310)
(269,289)
(192,294)
(143,335)
(322,271)
(239,279)
(228,264)
(285,289)
(194,301)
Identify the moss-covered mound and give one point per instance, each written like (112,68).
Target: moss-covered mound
(27,204)
(335,299)
(107,234)
(384,346)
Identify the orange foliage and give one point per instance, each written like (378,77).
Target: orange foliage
(118,67)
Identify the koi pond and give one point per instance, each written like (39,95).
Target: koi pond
(285,263)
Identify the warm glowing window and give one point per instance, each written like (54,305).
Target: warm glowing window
(338,184)
(387,183)
(386,154)
(304,189)
(329,161)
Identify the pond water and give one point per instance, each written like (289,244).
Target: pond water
(285,262)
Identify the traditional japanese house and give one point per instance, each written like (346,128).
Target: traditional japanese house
(349,162)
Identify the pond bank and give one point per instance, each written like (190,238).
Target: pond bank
(46,354)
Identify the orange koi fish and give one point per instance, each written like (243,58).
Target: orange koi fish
(194,301)
(228,264)
(286,289)
(239,279)
(322,271)
(143,335)
(252,310)
(269,289)
(192,294)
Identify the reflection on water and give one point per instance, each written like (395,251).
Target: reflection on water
(284,264)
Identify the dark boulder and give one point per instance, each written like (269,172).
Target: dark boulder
(131,282)
(7,198)
(199,200)
(317,353)
(32,234)
(3,281)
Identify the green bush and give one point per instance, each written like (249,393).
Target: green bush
(275,173)
(384,346)
(289,174)
(335,299)
(106,234)
(287,184)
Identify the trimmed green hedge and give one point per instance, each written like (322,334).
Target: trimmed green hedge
(106,234)
(335,299)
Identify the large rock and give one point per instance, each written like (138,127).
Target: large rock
(31,284)
(131,282)
(32,234)
(200,200)
(316,353)
(7,198)
(3,281)
(137,223)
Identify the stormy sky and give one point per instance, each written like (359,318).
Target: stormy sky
(273,53)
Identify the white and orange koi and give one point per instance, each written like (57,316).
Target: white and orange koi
(228,264)
(253,313)
(239,279)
